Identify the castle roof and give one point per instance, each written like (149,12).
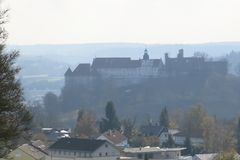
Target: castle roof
(157,62)
(68,72)
(82,69)
(124,62)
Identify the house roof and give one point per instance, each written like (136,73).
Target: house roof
(210,156)
(88,145)
(151,149)
(193,134)
(173,131)
(152,130)
(28,152)
(114,136)
(38,144)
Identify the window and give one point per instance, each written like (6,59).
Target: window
(139,156)
(150,155)
(100,154)
(106,154)
(64,152)
(106,145)
(59,151)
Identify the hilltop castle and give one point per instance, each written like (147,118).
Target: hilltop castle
(124,70)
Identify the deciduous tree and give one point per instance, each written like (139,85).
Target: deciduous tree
(128,127)
(86,124)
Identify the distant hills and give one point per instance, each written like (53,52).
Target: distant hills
(75,53)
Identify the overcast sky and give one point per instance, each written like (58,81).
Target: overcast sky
(148,21)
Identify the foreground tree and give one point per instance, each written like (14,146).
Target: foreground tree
(14,117)
(111,121)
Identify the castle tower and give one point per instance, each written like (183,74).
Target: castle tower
(145,56)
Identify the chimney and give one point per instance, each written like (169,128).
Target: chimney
(180,53)
(166,56)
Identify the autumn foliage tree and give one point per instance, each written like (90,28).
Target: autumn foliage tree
(14,117)
(86,124)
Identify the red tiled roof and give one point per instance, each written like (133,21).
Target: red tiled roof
(114,136)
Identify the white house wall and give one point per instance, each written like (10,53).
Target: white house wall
(106,150)
(112,154)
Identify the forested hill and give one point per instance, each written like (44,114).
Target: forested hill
(220,95)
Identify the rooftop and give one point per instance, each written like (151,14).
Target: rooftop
(88,145)
(151,149)
(114,136)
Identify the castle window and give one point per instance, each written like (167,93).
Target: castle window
(106,154)
(106,145)
(100,154)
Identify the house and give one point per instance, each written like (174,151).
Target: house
(196,139)
(28,152)
(155,153)
(179,137)
(210,156)
(115,137)
(166,133)
(84,149)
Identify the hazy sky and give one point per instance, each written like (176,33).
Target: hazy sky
(148,21)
